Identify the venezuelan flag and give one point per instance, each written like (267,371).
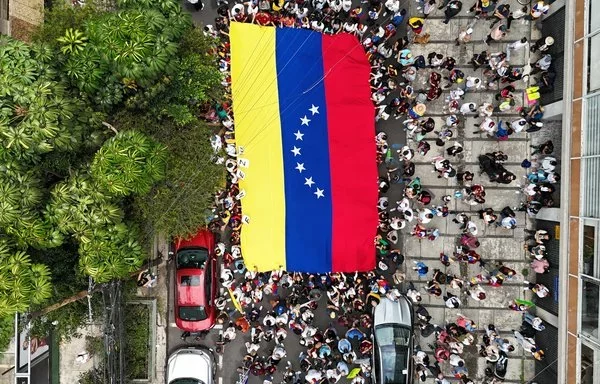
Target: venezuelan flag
(304,125)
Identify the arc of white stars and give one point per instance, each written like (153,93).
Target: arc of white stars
(296,151)
(313,109)
(299,135)
(300,167)
(309,181)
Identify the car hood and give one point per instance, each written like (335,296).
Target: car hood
(393,312)
(190,363)
(203,239)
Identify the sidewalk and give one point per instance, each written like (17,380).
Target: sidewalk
(497,244)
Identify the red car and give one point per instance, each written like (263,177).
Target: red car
(196,282)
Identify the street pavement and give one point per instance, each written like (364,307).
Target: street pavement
(497,244)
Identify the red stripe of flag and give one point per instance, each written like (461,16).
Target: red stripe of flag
(352,154)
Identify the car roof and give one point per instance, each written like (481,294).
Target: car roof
(202,239)
(188,295)
(191,363)
(394,312)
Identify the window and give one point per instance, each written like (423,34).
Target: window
(591,157)
(208,280)
(192,258)
(590,297)
(590,361)
(192,313)
(190,281)
(594,60)
(589,260)
(594,15)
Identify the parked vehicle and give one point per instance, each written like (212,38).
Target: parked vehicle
(195,282)
(393,342)
(191,366)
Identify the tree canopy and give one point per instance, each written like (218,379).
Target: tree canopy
(69,185)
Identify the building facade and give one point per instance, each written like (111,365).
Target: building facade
(19,17)
(579,270)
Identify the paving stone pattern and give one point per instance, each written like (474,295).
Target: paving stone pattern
(497,244)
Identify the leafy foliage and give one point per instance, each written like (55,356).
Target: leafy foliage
(129,163)
(107,246)
(7,331)
(22,283)
(37,114)
(63,194)
(60,17)
(117,53)
(93,376)
(193,81)
(112,253)
(178,205)
(137,340)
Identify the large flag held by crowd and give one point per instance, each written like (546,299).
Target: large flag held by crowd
(304,126)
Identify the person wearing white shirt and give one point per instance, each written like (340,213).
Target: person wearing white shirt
(252,8)
(347,5)
(518,125)
(519,13)
(488,126)
(515,46)
(473,82)
(456,361)
(336,5)
(392,6)
(538,9)
(349,27)
(468,108)
(549,163)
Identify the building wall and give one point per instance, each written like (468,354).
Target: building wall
(579,334)
(23,16)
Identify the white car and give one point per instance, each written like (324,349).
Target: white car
(191,366)
(393,342)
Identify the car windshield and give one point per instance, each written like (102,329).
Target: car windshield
(192,313)
(393,341)
(186,381)
(392,334)
(192,258)
(190,281)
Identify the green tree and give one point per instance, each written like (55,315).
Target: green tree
(22,283)
(115,54)
(7,331)
(37,114)
(107,246)
(181,203)
(194,80)
(129,163)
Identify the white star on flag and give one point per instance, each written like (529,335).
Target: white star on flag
(299,135)
(319,193)
(309,181)
(296,151)
(300,167)
(305,120)
(314,109)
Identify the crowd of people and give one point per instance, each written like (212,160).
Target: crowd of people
(265,307)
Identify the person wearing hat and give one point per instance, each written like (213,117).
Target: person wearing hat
(416,24)
(542,45)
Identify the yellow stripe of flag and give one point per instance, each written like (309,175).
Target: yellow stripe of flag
(258,132)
